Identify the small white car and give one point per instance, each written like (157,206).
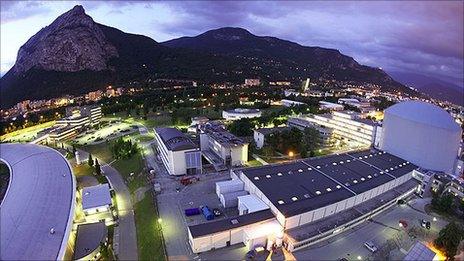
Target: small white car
(369,245)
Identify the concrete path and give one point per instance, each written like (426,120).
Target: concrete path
(127,234)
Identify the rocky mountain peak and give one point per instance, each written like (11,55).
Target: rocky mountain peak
(73,42)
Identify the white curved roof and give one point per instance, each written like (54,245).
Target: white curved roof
(40,196)
(425,113)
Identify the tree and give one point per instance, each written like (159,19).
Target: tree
(74,149)
(311,140)
(443,203)
(90,161)
(449,238)
(97,168)
(242,127)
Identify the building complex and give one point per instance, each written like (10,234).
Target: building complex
(241,113)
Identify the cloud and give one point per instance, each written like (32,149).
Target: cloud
(422,37)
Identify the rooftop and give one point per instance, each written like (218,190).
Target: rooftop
(313,183)
(243,110)
(425,113)
(420,252)
(88,238)
(219,133)
(267,131)
(174,139)
(40,199)
(229,223)
(96,196)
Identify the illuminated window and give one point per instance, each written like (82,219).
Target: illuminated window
(256,178)
(279,174)
(338,186)
(369,176)
(328,189)
(268,176)
(280,202)
(355,181)
(363,179)
(300,170)
(294,198)
(318,192)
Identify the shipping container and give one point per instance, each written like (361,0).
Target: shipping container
(192,211)
(230,200)
(207,213)
(229,186)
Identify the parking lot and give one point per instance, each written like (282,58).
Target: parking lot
(175,198)
(107,131)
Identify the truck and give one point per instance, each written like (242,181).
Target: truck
(191,211)
(209,215)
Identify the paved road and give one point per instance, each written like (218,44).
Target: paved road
(127,232)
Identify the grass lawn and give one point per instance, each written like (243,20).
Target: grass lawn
(126,166)
(253,163)
(83,170)
(101,151)
(149,238)
(142,138)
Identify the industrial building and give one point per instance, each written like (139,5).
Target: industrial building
(423,134)
(179,154)
(241,113)
(220,147)
(293,204)
(37,211)
(347,125)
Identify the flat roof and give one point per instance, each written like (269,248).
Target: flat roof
(174,139)
(267,131)
(96,196)
(420,252)
(226,224)
(40,196)
(220,134)
(88,238)
(313,183)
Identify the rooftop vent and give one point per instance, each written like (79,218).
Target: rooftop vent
(328,189)
(338,186)
(318,192)
(294,198)
(256,178)
(268,176)
(234,221)
(279,174)
(306,195)
(280,202)
(300,170)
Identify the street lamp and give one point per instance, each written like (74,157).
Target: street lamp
(160,220)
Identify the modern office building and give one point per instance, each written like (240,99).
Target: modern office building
(222,148)
(180,155)
(347,125)
(81,116)
(241,113)
(308,200)
(422,133)
(37,211)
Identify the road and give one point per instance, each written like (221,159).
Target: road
(127,232)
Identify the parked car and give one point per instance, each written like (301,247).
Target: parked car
(369,245)
(250,254)
(217,212)
(425,224)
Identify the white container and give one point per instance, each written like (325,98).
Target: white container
(230,200)
(229,186)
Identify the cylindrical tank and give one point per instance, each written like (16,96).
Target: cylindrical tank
(423,134)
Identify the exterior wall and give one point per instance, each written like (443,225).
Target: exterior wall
(259,139)
(239,155)
(405,139)
(237,115)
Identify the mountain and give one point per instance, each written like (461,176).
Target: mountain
(284,58)
(434,87)
(75,55)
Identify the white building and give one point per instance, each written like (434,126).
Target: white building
(179,154)
(347,125)
(252,82)
(221,147)
(325,105)
(241,113)
(422,133)
(363,105)
(96,203)
(290,103)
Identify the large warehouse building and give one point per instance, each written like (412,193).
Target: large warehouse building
(422,133)
(303,194)
(38,209)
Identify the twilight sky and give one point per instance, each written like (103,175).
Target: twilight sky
(417,37)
